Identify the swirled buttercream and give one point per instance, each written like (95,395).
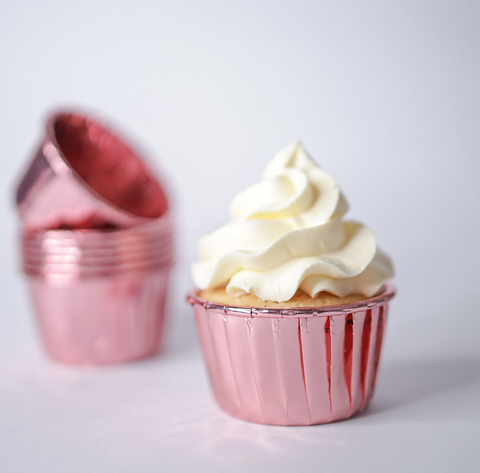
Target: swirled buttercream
(287,233)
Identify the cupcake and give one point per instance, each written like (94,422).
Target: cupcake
(292,300)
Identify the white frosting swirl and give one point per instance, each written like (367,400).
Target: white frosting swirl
(286,233)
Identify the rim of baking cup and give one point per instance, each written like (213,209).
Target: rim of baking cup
(387,292)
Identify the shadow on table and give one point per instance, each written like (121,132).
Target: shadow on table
(427,390)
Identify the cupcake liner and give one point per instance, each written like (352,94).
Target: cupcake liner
(98,306)
(82,171)
(292,366)
(96,244)
(101,320)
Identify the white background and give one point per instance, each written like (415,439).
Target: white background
(384,95)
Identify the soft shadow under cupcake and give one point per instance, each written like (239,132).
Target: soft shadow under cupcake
(422,390)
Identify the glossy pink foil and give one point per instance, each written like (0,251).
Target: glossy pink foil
(84,173)
(292,366)
(95,252)
(101,320)
(96,244)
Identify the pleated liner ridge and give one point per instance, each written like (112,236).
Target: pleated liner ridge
(292,370)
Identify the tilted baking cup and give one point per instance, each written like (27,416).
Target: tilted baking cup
(82,171)
(101,320)
(292,366)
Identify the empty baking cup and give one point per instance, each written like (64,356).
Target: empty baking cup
(96,245)
(106,317)
(83,172)
(292,366)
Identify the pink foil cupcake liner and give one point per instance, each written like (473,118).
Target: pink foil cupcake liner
(96,244)
(292,366)
(82,175)
(101,320)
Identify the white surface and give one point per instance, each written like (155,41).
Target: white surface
(158,415)
(383,94)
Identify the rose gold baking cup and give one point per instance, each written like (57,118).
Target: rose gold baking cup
(83,172)
(97,307)
(292,366)
(96,244)
(102,307)
(98,320)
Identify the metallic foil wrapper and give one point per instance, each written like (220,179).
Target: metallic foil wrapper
(96,243)
(85,176)
(292,366)
(103,319)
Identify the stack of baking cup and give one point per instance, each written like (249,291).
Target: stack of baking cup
(96,244)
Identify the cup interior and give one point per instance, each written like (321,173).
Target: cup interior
(107,165)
